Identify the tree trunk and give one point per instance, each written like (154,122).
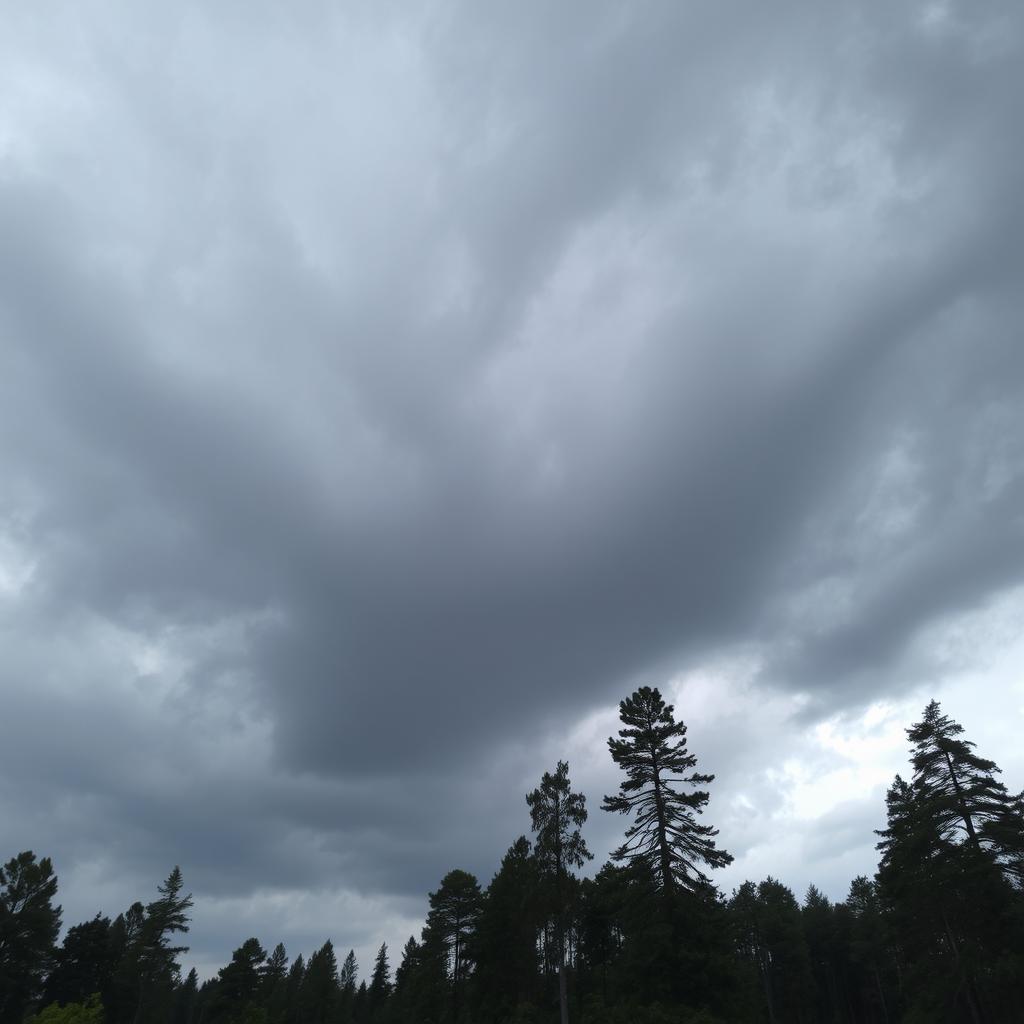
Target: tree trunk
(964,812)
(881,994)
(972,1004)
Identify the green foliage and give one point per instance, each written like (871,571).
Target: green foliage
(88,1012)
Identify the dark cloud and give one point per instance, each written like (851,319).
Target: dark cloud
(381,397)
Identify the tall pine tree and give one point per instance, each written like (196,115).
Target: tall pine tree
(665,834)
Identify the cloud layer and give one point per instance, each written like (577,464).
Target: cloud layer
(384,395)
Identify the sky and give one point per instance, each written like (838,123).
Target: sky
(387,390)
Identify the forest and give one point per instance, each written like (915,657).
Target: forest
(937,935)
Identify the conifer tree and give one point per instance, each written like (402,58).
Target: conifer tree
(869,946)
(29,923)
(319,994)
(293,990)
(505,947)
(964,799)
(239,982)
(454,910)
(84,964)
(651,750)
(348,976)
(557,814)
(186,999)
(380,981)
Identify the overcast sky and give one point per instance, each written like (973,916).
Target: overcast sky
(387,390)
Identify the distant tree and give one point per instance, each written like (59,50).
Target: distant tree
(380,982)
(768,922)
(602,929)
(409,983)
(148,968)
(870,951)
(293,991)
(361,1005)
(29,924)
(505,944)
(557,814)
(319,996)
(83,964)
(651,750)
(273,984)
(454,911)
(348,985)
(240,981)
(826,954)
(186,1000)
(410,954)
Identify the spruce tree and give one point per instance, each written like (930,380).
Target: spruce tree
(380,981)
(319,994)
(273,993)
(293,990)
(186,1000)
(348,982)
(651,750)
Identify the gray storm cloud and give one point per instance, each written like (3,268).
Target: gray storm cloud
(382,393)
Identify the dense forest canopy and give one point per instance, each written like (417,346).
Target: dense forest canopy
(937,935)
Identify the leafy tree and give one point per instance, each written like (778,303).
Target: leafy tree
(651,750)
(29,923)
(90,1011)
(557,814)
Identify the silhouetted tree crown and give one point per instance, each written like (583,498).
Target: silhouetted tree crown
(665,834)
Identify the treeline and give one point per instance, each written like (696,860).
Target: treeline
(936,936)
